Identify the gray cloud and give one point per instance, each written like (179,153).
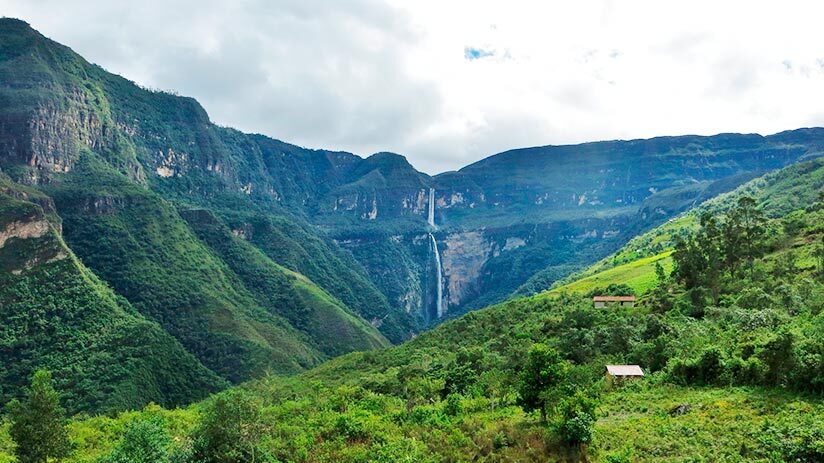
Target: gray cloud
(391,75)
(319,74)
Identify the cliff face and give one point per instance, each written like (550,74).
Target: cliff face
(537,214)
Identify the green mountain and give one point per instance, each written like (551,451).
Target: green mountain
(232,312)
(736,379)
(58,315)
(259,256)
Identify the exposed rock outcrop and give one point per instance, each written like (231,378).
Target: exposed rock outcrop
(464,256)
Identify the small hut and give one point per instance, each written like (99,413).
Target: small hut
(621,373)
(602,301)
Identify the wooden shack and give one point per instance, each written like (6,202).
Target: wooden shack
(602,301)
(617,374)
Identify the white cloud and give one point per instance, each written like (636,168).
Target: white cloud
(370,75)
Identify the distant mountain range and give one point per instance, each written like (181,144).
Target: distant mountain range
(147,254)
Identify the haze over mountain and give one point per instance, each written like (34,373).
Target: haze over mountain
(249,255)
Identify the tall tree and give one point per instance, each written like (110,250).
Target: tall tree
(543,371)
(699,258)
(819,254)
(743,234)
(230,430)
(38,423)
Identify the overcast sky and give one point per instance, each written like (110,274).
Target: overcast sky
(448,82)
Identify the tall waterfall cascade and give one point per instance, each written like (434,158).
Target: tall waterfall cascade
(431,218)
(437,254)
(438,278)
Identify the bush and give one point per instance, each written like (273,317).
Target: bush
(453,405)
(230,430)
(577,419)
(144,441)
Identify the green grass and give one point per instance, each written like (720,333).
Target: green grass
(638,274)
(723,425)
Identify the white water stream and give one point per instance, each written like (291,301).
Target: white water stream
(437,254)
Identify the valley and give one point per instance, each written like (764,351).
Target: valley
(744,392)
(211,295)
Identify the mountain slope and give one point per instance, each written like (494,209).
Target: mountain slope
(90,140)
(736,381)
(57,105)
(141,246)
(333,330)
(56,314)
(777,194)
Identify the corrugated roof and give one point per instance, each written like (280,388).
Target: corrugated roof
(613,298)
(625,370)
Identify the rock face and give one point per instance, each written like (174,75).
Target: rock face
(464,257)
(21,233)
(23,230)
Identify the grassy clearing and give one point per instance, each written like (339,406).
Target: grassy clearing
(722,424)
(638,274)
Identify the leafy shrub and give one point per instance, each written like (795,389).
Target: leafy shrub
(143,441)
(577,418)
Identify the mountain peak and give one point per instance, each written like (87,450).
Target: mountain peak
(13,28)
(6,22)
(18,38)
(389,165)
(386,157)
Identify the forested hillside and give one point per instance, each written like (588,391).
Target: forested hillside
(730,341)
(185,312)
(58,315)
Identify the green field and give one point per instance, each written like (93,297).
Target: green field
(639,275)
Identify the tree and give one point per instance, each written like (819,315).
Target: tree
(37,423)
(777,355)
(743,233)
(462,372)
(786,265)
(144,441)
(660,274)
(230,430)
(577,418)
(819,254)
(699,258)
(544,370)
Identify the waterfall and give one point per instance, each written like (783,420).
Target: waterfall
(438,270)
(438,278)
(431,218)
